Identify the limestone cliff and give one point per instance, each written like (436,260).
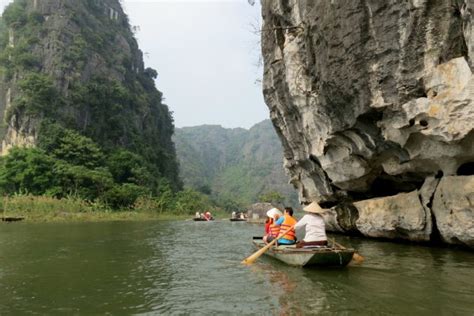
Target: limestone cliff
(373,102)
(77,63)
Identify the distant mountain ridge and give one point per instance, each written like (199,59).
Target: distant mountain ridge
(233,165)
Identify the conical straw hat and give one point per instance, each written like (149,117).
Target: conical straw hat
(313,208)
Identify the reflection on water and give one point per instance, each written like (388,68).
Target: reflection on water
(194,268)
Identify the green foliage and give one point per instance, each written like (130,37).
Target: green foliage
(15,14)
(77,51)
(70,146)
(150,72)
(112,105)
(38,97)
(26,170)
(189,201)
(79,181)
(127,167)
(123,195)
(78,150)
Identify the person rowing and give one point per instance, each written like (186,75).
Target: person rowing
(313,227)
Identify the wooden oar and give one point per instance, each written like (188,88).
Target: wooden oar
(356,257)
(251,259)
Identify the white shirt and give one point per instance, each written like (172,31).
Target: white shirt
(313,226)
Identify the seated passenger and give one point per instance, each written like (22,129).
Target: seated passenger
(274,229)
(286,222)
(208,216)
(268,222)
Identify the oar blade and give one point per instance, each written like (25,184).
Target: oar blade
(251,259)
(357,258)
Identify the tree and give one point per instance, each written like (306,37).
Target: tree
(28,170)
(127,167)
(70,146)
(189,201)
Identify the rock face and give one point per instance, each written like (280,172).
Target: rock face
(370,99)
(399,216)
(257,212)
(453,208)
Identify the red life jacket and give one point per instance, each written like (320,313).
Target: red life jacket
(267,227)
(274,230)
(287,223)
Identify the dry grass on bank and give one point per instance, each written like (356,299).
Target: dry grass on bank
(49,209)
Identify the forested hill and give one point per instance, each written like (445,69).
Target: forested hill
(74,86)
(233,165)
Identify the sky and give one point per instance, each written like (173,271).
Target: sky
(206,56)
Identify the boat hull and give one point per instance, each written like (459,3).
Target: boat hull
(308,257)
(202,220)
(238,220)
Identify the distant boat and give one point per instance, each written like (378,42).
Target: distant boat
(308,257)
(198,219)
(238,219)
(11,219)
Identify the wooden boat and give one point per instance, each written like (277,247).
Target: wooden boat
(198,219)
(12,219)
(238,219)
(307,257)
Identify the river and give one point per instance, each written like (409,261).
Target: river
(185,267)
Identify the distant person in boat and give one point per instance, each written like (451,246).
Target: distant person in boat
(197,215)
(286,222)
(207,216)
(312,224)
(274,214)
(234,215)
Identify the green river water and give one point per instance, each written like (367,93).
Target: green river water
(193,268)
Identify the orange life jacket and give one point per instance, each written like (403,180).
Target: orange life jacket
(287,223)
(274,230)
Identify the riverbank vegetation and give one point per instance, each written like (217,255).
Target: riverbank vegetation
(102,134)
(68,177)
(70,209)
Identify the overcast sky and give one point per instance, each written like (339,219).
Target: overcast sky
(206,55)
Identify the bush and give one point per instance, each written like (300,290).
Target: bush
(123,195)
(127,167)
(189,201)
(79,181)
